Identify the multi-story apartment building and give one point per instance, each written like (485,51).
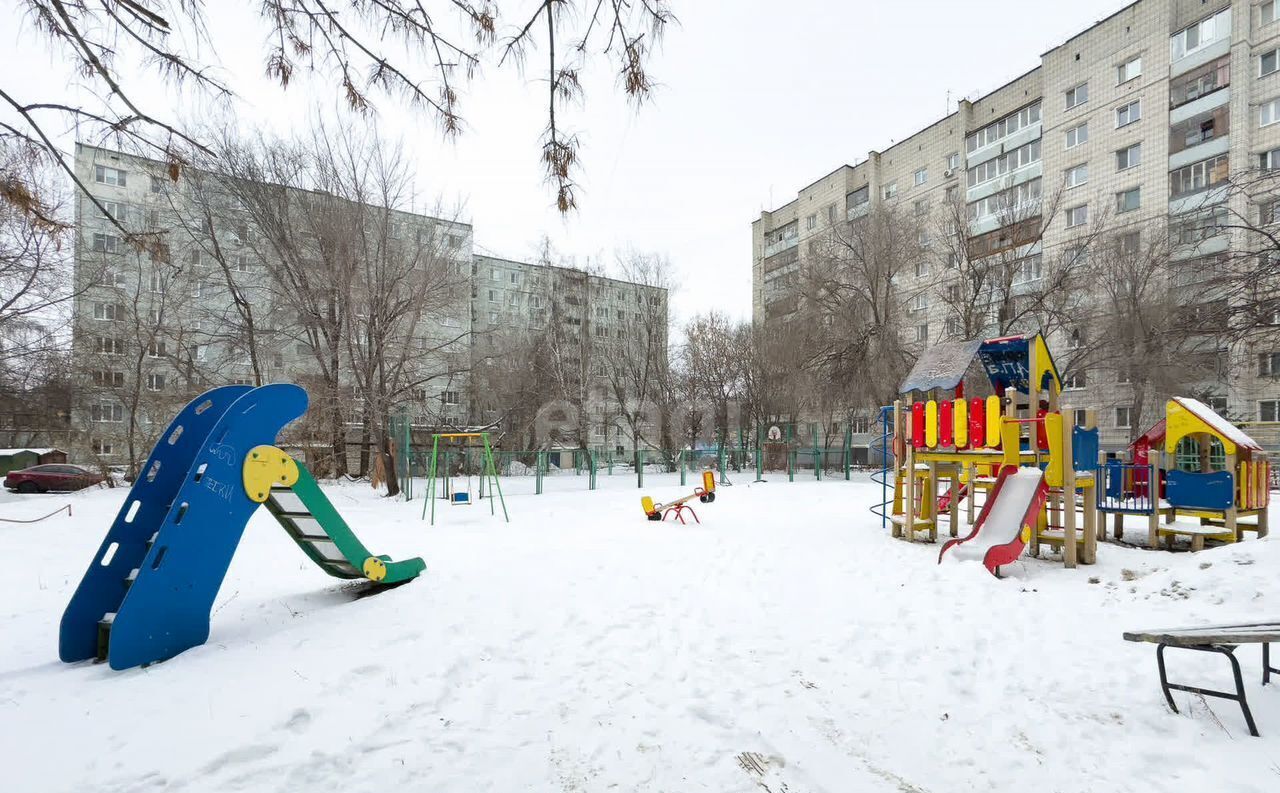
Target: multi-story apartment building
(152,325)
(1136,123)
(583,340)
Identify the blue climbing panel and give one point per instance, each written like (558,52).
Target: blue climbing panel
(1191,490)
(104,585)
(167,608)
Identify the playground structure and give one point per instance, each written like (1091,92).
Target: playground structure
(488,476)
(705,494)
(1195,464)
(147,593)
(984,445)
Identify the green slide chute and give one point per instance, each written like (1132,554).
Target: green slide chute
(308,516)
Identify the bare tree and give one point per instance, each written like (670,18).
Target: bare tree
(395,48)
(636,360)
(36,287)
(851,305)
(714,363)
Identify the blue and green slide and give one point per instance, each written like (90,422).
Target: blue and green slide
(148,592)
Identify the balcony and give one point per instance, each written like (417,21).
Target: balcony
(858,210)
(786,243)
(1008,143)
(1201,151)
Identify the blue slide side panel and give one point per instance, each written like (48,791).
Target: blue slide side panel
(167,609)
(1191,490)
(102,588)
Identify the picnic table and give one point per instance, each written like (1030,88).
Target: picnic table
(1221,639)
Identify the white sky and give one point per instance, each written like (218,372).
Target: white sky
(757,100)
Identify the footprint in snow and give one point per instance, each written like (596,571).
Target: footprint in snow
(299,721)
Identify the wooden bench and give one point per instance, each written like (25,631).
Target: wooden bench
(1198,532)
(1221,639)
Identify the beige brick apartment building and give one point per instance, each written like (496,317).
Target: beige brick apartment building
(1141,117)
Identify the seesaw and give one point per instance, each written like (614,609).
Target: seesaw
(706,494)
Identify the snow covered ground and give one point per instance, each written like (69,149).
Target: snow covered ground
(786,644)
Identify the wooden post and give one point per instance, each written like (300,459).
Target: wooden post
(909,489)
(973,489)
(1232,523)
(1153,494)
(954,503)
(1068,497)
(932,496)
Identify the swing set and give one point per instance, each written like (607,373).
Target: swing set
(488,476)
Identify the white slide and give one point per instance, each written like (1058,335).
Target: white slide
(1002,524)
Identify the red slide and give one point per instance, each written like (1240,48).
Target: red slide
(944,503)
(1004,526)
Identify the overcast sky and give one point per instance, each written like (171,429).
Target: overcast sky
(758,99)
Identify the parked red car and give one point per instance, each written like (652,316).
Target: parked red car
(43,478)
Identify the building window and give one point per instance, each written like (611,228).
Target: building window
(1129,157)
(493,316)
(1124,418)
(1077,216)
(1200,35)
(811,222)
(1269,410)
(921,302)
(1077,175)
(1269,160)
(106,412)
(454,241)
(858,197)
(155,382)
(1269,113)
(1076,340)
(953,161)
(1077,96)
(156,349)
(515,278)
(1126,244)
(1268,364)
(953,194)
(494,275)
(1004,164)
(107,345)
(922,268)
(1003,128)
(1129,70)
(1268,63)
(107,243)
(103,174)
(1267,212)
(240,263)
(1028,270)
(1074,380)
(157,184)
(1124,376)
(493,295)
(108,311)
(921,207)
(102,448)
(922,332)
(1200,82)
(1128,200)
(1268,12)
(1077,135)
(831,214)
(451,397)
(1198,176)
(108,379)
(890,190)
(921,176)
(1128,114)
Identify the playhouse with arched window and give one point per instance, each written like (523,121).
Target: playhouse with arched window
(1212,479)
